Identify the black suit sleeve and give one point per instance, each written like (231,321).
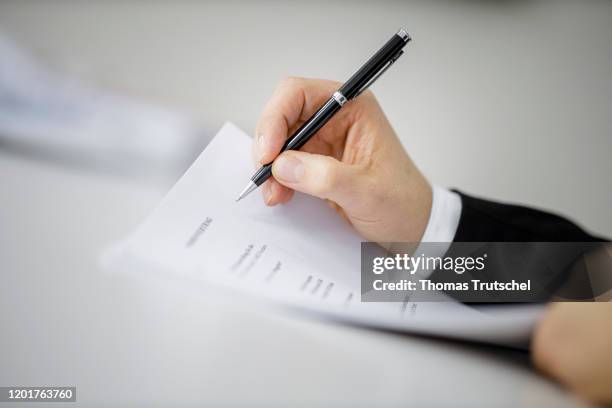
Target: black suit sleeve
(488,221)
(524,244)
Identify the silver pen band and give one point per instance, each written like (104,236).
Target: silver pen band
(341,99)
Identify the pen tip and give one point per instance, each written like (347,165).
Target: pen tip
(247,190)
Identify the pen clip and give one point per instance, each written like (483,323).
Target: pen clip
(382,71)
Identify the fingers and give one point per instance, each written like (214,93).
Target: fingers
(293,99)
(571,344)
(320,176)
(275,193)
(270,136)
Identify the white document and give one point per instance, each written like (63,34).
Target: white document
(301,254)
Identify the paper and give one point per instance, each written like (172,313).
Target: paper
(301,254)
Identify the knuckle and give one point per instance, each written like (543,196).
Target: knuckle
(290,81)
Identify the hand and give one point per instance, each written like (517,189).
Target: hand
(355,162)
(573,344)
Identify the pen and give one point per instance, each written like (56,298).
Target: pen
(359,82)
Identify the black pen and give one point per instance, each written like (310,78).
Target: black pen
(359,82)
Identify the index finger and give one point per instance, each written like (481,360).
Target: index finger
(294,99)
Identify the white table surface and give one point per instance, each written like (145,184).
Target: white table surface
(137,341)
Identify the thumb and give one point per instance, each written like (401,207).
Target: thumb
(320,176)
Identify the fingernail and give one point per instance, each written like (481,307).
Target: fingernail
(261,146)
(289,169)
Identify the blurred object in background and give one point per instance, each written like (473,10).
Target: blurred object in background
(49,115)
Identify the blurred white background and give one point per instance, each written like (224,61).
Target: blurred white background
(505,99)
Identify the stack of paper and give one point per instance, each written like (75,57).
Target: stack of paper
(301,254)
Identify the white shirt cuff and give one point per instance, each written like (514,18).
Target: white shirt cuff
(442,225)
(444,216)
